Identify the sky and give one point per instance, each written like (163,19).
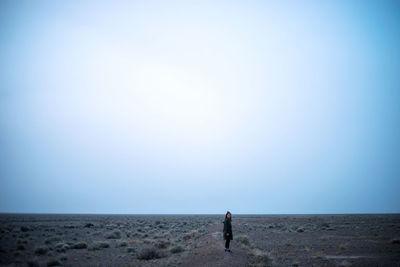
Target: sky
(199,107)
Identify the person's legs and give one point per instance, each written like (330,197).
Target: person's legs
(227,243)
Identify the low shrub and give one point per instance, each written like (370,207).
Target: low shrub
(130,249)
(52,239)
(150,253)
(261,258)
(116,234)
(98,245)
(162,244)
(121,244)
(243,239)
(79,245)
(33,263)
(53,262)
(41,250)
(61,247)
(177,249)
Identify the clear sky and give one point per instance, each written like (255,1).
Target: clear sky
(200,106)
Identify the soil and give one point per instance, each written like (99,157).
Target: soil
(210,251)
(196,240)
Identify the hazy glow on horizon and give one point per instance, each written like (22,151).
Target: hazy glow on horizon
(200,106)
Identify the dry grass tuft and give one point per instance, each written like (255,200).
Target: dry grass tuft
(98,245)
(116,234)
(243,240)
(318,255)
(177,249)
(261,258)
(150,253)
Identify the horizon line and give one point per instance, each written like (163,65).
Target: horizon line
(195,214)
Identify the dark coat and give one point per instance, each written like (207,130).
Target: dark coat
(227,229)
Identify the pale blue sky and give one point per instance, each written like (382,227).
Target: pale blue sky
(200,106)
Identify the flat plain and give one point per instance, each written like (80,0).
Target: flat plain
(196,240)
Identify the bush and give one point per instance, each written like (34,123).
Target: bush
(243,240)
(52,239)
(162,244)
(177,249)
(98,245)
(25,229)
(121,244)
(150,253)
(324,225)
(41,250)
(130,249)
(61,247)
(116,234)
(261,258)
(53,263)
(33,263)
(79,245)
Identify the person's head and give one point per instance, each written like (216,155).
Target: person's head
(228,215)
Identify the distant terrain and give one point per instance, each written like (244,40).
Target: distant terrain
(196,240)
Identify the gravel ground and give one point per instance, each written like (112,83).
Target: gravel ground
(196,240)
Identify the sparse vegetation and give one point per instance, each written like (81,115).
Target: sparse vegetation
(162,244)
(261,258)
(53,262)
(116,234)
(318,255)
(52,240)
(79,245)
(130,249)
(61,247)
(120,244)
(395,241)
(177,249)
(63,257)
(149,253)
(33,263)
(41,250)
(162,240)
(98,245)
(243,239)
(324,225)
(324,238)
(25,229)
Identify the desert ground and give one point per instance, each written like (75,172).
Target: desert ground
(196,240)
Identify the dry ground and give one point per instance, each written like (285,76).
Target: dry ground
(196,240)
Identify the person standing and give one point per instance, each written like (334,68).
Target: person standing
(227,232)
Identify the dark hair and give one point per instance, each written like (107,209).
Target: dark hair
(226,215)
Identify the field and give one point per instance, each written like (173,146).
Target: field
(196,240)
